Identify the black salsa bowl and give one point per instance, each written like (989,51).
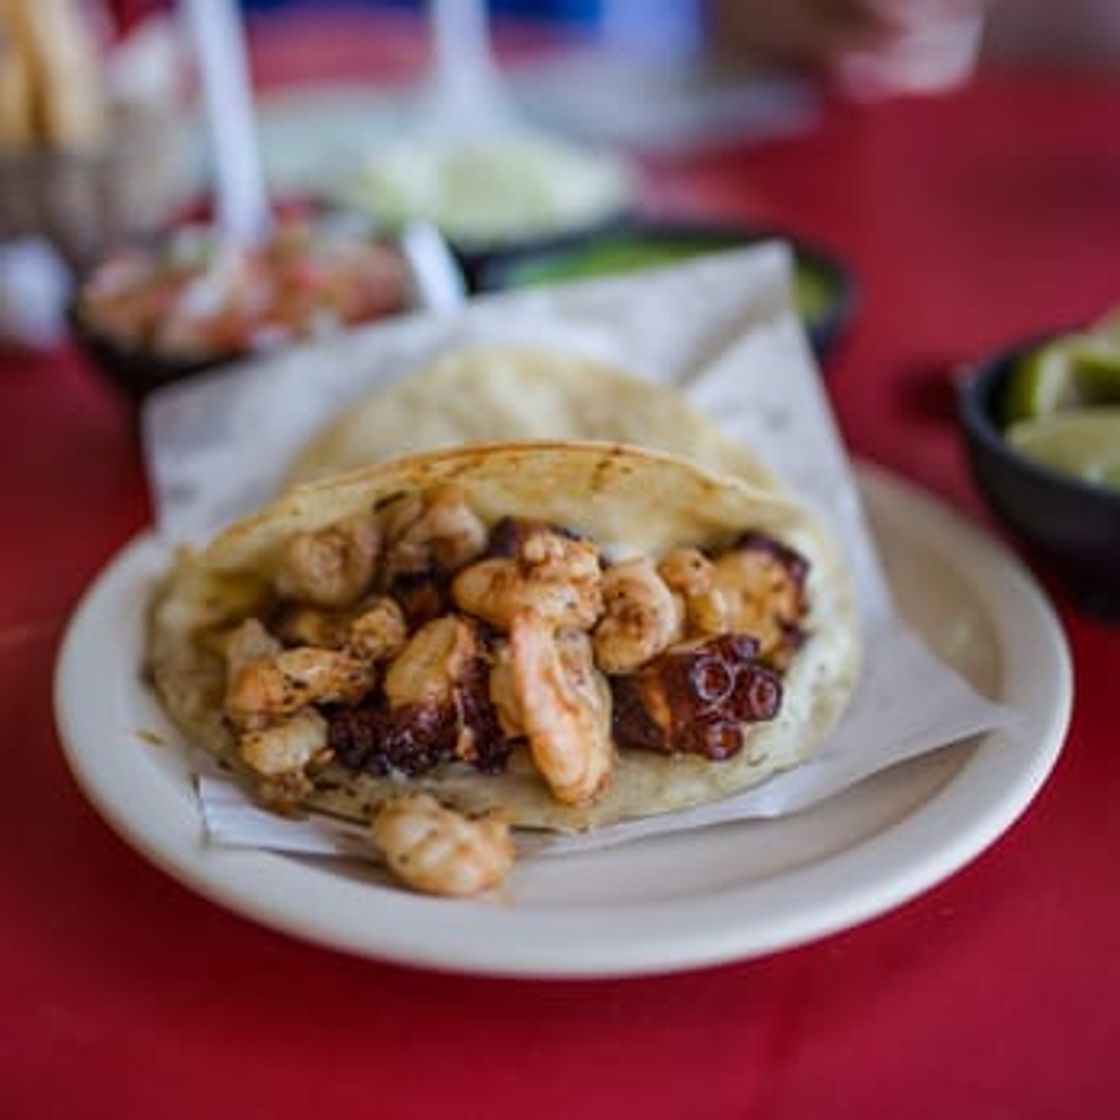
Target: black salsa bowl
(825,288)
(138,372)
(1068,527)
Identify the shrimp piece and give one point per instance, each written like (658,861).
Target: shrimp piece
(503,693)
(436,850)
(457,533)
(438,701)
(379,632)
(373,631)
(556,577)
(247,643)
(565,705)
(291,745)
(436,529)
(756,587)
(309,626)
(244,647)
(332,567)
(763,584)
(280,756)
(269,690)
(641,618)
(434,661)
(690,574)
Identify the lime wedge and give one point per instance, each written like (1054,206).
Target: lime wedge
(1096,363)
(1044,381)
(1071,372)
(1083,442)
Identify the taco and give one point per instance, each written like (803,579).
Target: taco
(490,394)
(568,633)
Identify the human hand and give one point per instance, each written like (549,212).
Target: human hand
(870,47)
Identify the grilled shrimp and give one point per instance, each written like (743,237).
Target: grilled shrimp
(439,851)
(756,587)
(555,577)
(763,585)
(332,567)
(690,574)
(436,529)
(379,632)
(247,643)
(372,631)
(565,705)
(641,617)
(269,690)
(280,757)
(435,658)
(245,647)
(289,746)
(503,692)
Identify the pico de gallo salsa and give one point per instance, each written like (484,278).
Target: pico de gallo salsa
(191,297)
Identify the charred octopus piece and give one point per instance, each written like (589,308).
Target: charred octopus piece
(509,534)
(409,741)
(438,708)
(696,700)
(418,737)
(422,596)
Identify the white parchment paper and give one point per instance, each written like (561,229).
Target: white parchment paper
(724,329)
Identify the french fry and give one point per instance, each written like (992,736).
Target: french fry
(68,102)
(17,118)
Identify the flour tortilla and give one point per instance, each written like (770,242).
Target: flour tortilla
(631,501)
(492,394)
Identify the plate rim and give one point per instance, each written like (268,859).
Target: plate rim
(548,942)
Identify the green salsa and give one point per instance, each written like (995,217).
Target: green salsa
(814,292)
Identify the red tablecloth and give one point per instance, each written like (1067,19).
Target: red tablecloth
(969,219)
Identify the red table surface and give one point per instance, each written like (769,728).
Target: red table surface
(970,220)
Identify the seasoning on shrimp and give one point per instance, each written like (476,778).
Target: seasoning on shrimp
(552,574)
(438,851)
(641,617)
(565,705)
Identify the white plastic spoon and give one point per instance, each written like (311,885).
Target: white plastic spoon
(466,96)
(241,201)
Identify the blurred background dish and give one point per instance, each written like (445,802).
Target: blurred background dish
(494,190)
(470,162)
(167,307)
(1053,477)
(89,129)
(85,200)
(824,288)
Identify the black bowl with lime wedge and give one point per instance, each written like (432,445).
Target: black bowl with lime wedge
(825,291)
(1043,443)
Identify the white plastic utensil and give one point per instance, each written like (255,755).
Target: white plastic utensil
(437,279)
(241,201)
(466,95)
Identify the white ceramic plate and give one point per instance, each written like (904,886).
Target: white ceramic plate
(699,898)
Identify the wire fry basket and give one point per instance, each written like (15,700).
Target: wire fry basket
(84,200)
